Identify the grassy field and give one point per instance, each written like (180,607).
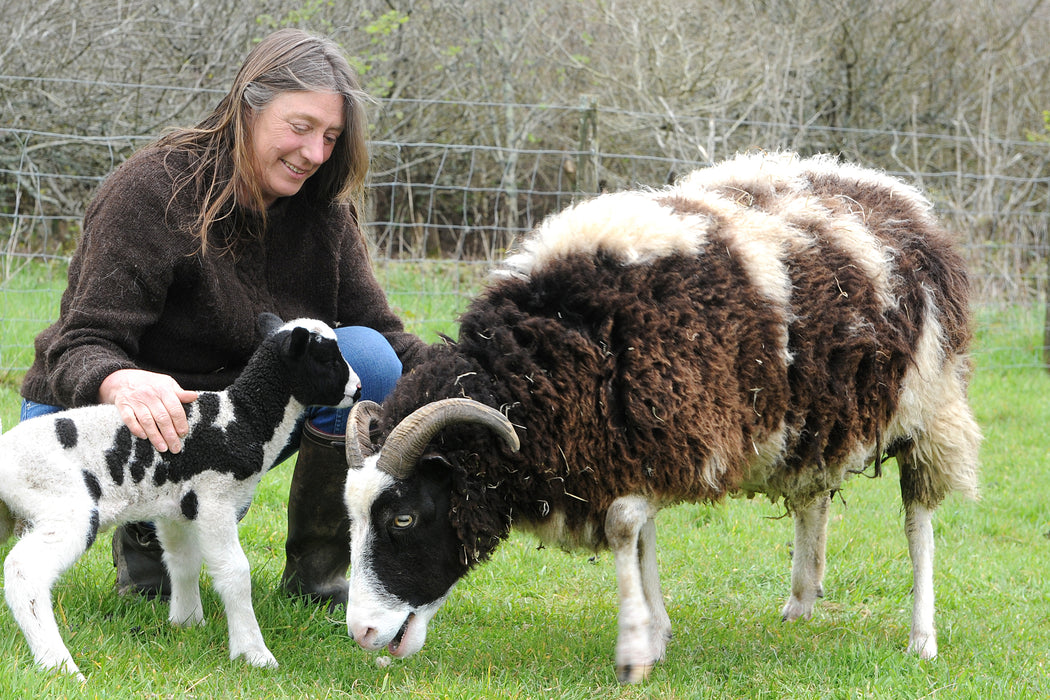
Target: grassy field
(541,623)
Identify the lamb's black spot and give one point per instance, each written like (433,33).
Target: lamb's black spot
(189,505)
(94,488)
(118,455)
(208,405)
(92,532)
(66,430)
(160,474)
(142,459)
(233,449)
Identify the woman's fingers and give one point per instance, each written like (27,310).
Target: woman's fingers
(151,405)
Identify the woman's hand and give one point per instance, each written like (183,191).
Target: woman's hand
(150,404)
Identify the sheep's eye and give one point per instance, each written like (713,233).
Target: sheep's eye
(404,521)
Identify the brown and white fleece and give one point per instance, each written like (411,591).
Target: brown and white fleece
(772,324)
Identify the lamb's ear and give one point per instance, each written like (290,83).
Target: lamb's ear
(297,343)
(268,323)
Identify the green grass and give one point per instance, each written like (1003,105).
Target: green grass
(541,623)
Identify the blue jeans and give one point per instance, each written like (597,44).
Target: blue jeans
(365,349)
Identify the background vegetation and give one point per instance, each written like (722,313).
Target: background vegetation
(491,113)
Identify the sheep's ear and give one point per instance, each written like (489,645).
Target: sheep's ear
(298,341)
(268,323)
(436,463)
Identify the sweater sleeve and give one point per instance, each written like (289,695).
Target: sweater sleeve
(118,279)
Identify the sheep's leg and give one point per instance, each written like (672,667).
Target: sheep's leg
(231,575)
(182,558)
(30,570)
(660,625)
(624,522)
(939,459)
(808,560)
(918,523)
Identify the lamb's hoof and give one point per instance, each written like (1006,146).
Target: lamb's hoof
(634,673)
(63,665)
(193,618)
(260,659)
(658,644)
(923,645)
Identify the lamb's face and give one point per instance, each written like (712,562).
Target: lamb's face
(404,555)
(320,376)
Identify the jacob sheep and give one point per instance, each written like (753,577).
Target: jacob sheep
(67,476)
(769,325)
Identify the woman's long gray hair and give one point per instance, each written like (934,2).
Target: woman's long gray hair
(289,60)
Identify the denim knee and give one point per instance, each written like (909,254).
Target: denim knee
(374,361)
(32,409)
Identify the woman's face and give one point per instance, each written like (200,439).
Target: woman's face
(292,137)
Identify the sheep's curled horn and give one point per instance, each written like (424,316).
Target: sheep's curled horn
(406,442)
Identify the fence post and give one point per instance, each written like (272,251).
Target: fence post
(587,173)
(1046,320)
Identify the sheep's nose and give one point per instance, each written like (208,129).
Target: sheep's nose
(365,636)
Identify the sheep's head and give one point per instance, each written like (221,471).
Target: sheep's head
(405,554)
(315,370)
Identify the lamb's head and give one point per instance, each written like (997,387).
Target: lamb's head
(316,372)
(405,553)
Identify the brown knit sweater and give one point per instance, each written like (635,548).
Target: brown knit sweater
(141,295)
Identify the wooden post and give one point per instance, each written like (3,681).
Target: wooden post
(1046,285)
(1046,322)
(587,172)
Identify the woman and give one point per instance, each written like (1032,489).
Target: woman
(187,242)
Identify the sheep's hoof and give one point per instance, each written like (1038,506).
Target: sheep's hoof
(795,609)
(633,673)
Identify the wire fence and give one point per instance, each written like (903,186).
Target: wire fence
(449,207)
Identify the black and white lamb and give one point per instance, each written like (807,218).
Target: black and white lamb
(769,325)
(67,476)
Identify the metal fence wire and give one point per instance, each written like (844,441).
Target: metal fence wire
(466,202)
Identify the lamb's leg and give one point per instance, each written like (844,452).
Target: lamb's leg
(918,523)
(182,558)
(30,570)
(660,626)
(7,523)
(231,575)
(807,563)
(624,523)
